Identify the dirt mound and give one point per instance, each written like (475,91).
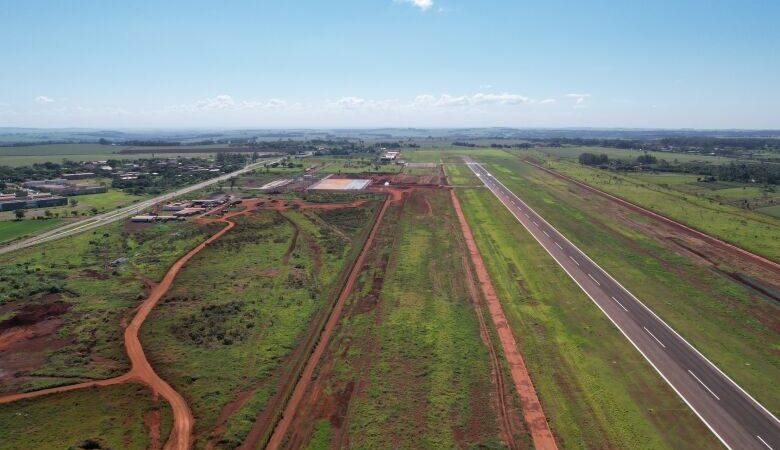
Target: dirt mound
(34,313)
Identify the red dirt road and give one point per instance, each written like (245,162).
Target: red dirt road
(532,409)
(181,433)
(306,375)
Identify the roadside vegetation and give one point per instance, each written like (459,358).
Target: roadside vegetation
(123,416)
(729,322)
(231,330)
(753,231)
(596,389)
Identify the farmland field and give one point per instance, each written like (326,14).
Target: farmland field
(57,153)
(406,367)
(233,328)
(122,416)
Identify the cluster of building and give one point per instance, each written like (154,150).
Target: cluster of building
(389,157)
(48,193)
(26,200)
(64,187)
(179,210)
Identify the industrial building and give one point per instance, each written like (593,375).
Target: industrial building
(31,201)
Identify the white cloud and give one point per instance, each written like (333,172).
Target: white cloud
(579,98)
(547,101)
(350,102)
(447,100)
(424,5)
(43,99)
(223,101)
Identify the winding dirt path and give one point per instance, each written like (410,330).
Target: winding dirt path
(141,371)
(306,375)
(532,408)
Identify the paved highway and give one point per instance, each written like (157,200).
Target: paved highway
(122,213)
(738,420)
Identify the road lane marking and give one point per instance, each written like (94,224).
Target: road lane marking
(559,246)
(656,339)
(535,223)
(702,383)
(594,280)
(618,302)
(764,442)
(651,362)
(526,214)
(546,233)
(575,261)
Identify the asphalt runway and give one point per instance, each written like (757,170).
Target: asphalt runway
(738,420)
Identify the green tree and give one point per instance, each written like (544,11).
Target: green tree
(73,202)
(19,213)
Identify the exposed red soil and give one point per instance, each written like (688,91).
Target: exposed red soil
(141,370)
(306,375)
(293,241)
(152,422)
(328,398)
(532,408)
(181,433)
(733,249)
(503,402)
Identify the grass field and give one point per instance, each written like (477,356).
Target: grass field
(406,367)
(13,229)
(573,152)
(756,232)
(597,391)
(241,307)
(698,302)
(76,300)
(57,153)
(111,416)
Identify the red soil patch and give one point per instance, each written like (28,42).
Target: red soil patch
(152,422)
(532,408)
(306,375)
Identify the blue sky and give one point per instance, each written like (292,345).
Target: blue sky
(365,63)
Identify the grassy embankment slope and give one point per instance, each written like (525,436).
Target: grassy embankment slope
(597,390)
(732,325)
(112,416)
(85,339)
(406,367)
(237,312)
(753,231)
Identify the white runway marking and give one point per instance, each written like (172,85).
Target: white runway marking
(594,280)
(618,302)
(559,246)
(575,261)
(702,383)
(656,339)
(764,442)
